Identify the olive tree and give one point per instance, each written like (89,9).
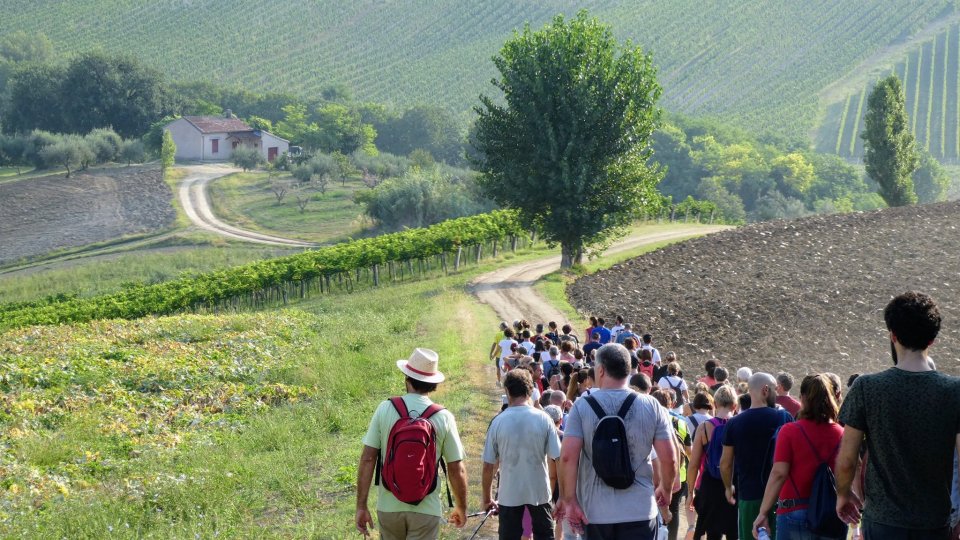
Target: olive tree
(569,146)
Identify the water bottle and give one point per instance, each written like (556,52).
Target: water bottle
(762,534)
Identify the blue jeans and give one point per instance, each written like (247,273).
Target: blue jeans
(793,526)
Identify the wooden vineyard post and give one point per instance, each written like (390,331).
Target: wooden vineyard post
(496,246)
(456,262)
(376,275)
(479,252)
(513,244)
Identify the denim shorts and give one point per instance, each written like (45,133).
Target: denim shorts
(793,526)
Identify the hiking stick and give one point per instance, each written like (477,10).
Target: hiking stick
(482,521)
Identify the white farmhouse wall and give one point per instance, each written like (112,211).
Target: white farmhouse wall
(223,151)
(269,140)
(188,139)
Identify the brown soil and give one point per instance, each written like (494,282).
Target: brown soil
(39,215)
(802,296)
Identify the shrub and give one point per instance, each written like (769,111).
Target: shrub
(246,158)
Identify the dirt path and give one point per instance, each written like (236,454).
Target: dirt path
(509,291)
(196,204)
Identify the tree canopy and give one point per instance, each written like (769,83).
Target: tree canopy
(570,145)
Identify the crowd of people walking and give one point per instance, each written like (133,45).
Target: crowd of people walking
(609,438)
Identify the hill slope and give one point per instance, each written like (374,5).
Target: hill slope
(760,64)
(800,296)
(929,72)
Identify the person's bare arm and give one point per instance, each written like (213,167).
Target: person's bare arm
(457,476)
(667,453)
(567,507)
(486,482)
(368,462)
(552,471)
(696,460)
(726,473)
(848,502)
(778,475)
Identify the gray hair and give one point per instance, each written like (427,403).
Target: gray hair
(557,397)
(555,413)
(743,374)
(615,359)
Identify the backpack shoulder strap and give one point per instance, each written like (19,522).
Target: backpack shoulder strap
(812,447)
(625,407)
(595,405)
(400,406)
(430,411)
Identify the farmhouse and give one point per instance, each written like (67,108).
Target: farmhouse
(213,138)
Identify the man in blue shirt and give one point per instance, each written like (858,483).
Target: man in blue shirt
(592,346)
(604,332)
(746,450)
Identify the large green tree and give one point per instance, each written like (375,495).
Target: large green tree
(891,156)
(569,146)
(100,90)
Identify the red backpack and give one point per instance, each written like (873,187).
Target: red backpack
(409,467)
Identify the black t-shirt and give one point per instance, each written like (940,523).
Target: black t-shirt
(749,433)
(590,347)
(911,421)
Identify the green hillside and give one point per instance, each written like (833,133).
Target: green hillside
(930,73)
(759,65)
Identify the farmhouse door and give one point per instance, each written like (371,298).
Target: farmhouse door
(215,146)
(272,153)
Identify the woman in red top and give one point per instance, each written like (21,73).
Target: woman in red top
(801,447)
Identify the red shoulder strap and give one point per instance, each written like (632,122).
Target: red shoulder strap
(400,406)
(430,411)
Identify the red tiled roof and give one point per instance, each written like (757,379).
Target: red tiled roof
(217,124)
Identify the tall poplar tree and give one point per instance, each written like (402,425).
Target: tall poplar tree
(891,156)
(569,144)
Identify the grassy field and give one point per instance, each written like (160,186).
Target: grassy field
(232,426)
(203,426)
(245,199)
(759,65)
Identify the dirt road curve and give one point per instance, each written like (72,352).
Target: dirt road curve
(509,291)
(196,204)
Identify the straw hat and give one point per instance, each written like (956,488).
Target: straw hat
(422,366)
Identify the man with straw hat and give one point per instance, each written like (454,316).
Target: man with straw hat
(404,419)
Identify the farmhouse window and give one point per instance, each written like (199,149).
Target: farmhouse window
(214,146)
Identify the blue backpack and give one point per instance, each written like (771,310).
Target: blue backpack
(715,447)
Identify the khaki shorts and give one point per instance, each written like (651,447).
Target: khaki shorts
(408,525)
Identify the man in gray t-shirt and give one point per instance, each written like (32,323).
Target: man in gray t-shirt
(522,443)
(611,513)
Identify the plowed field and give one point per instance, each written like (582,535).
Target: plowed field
(39,215)
(802,296)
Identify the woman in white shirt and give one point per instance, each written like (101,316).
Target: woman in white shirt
(673,381)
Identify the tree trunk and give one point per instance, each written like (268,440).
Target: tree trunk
(570,255)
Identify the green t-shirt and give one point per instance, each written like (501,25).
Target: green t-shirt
(911,421)
(449,448)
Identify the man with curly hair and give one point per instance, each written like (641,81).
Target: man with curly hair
(910,441)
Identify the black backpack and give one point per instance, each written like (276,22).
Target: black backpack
(822,506)
(679,401)
(552,368)
(611,451)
